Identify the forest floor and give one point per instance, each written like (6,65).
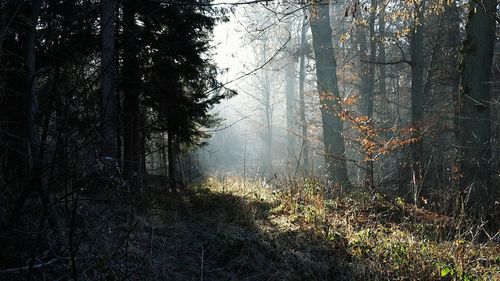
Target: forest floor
(234,230)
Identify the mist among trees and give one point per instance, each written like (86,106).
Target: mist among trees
(249,140)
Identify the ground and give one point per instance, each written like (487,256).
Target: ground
(238,230)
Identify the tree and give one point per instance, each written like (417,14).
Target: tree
(382,52)
(131,85)
(326,68)
(417,99)
(290,79)
(302,106)
(15,110)
(367,84)
(109,117)
(29,162)
(180,83)
(474,112)
(267,103)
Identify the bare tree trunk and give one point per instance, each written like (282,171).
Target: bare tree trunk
(36,146)
(302,105)
(172,169)
(373,56)
(475,98)
(453,38)
(364,67)
(367,86)
(108,95)
(290,100)
(163,157)
(34,109)
(131,120)
(417,100)
(369,177)
(381,51)
(268,112)
(31,108)
(143,172)
(14,106)
(326,67)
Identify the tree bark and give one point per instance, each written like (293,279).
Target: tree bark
(475,98)
(268,112)
(32,112)
(369,177)
(108,89)
(302,106)
(326,67)
(367,86)
(131,130)
(381,52)
(290,99)
(172,169)
(14,105)
(417,101)
(373,56)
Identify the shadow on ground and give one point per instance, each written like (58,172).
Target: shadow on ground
(195,234)
(219,236)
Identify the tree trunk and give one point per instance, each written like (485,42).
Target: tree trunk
(454,42)
(268,112)
(475,98)
(364,67)
(373,56)
(32,112)
(369,177)
(302,106)
(130,81)
(14,105)
(367,85)
(290,100)
(108,95)
(172,170)
(326,67)
(417,101)
(381,52)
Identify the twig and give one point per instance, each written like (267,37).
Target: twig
(388,62)
(19,269)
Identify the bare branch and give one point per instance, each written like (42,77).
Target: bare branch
(387,62)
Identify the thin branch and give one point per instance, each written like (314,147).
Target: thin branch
(225,127)
(19,269)
(187,3)
(281,48)
(387,62)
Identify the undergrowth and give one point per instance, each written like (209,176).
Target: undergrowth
(232,229)
(379,239)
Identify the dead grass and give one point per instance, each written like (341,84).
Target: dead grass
(373,239)
(235,230)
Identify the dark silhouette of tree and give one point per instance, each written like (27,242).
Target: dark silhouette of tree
(474,112)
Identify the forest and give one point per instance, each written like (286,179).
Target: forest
(249,140)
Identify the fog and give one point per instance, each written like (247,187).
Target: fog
(253,49)
(378,108)
(259,52)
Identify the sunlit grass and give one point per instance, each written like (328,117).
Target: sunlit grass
(383,240)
